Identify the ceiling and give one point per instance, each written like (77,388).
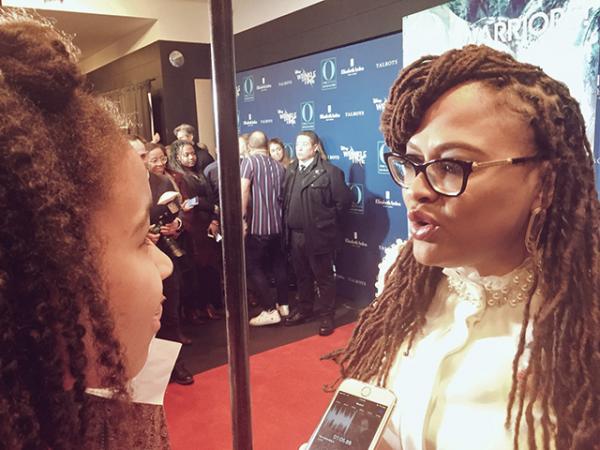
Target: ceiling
(93,32)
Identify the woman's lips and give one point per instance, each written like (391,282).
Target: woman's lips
(423,227)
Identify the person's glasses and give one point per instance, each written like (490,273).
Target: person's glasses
(445,176)
(162,160)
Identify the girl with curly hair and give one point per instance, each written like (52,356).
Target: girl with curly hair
(486,324)
(80,282)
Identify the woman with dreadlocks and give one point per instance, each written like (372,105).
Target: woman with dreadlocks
(80,282)
(487,321)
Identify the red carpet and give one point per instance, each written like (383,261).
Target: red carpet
(287,398)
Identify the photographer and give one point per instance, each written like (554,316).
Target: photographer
(154,157)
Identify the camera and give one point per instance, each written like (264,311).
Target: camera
(169,199)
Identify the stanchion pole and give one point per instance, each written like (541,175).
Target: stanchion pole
(223,77)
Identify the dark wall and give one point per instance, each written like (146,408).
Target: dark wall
(173,93)
(179,94)
(325,25)
(141,65)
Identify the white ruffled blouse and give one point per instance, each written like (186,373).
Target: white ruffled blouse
(453,387)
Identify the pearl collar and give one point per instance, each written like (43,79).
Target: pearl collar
(512,288)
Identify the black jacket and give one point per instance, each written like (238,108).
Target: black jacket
(325,198)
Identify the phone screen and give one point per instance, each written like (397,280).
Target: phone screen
(350,423)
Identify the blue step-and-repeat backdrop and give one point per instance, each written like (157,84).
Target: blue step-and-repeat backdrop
(340,95)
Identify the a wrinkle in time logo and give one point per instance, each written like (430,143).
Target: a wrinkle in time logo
(307,115)
(358,198)
(248,86)
(382,149)
(328,74)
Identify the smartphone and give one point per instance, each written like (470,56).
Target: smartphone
(190,202)
(355,418)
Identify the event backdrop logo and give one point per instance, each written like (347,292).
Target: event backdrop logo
(306,77)
(354,241)
(354,156)
(264,85)
(289,149)
(238,89)
(307,114)
(379,103)
(250,122)
(248,88)
(289,118)
(358,198)
(388,201)
(352,69)
(330,115)
(382,149)
(328,74)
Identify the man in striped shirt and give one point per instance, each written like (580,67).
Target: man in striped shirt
(262,188)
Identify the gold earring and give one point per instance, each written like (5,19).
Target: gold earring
(534,229)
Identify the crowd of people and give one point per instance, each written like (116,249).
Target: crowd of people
(486,320)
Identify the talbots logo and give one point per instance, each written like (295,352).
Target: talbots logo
(358,199)
(307,114)
(355,241)
(329,115)
(382,149)
(352,70)
(385,64)
(328,74)
(388,201)
(248,88)
(250,122)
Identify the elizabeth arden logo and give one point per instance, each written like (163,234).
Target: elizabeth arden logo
(250,122)
(329,115)
(263,86)
(355,241)
(387,201)
(352,69)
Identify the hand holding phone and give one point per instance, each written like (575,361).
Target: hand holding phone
(355,418)
(189,203)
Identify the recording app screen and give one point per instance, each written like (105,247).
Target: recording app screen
(350,423)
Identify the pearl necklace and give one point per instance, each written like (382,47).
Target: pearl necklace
(511,289)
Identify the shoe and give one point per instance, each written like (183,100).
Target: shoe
(266,318)
(212,313)
(181,375)
(284,310)
(297,318)
(326,326)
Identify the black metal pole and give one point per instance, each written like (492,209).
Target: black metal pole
(223,77)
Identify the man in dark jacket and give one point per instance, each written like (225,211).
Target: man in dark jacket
(316,197)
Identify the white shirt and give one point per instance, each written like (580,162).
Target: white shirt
(452,389)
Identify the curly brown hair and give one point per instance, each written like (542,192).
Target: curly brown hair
(562,379)
(53,311)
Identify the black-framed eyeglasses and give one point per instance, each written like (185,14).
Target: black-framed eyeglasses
(445,176)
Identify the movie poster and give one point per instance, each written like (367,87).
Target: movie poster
(561,36)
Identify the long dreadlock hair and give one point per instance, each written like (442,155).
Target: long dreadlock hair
(562,380)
